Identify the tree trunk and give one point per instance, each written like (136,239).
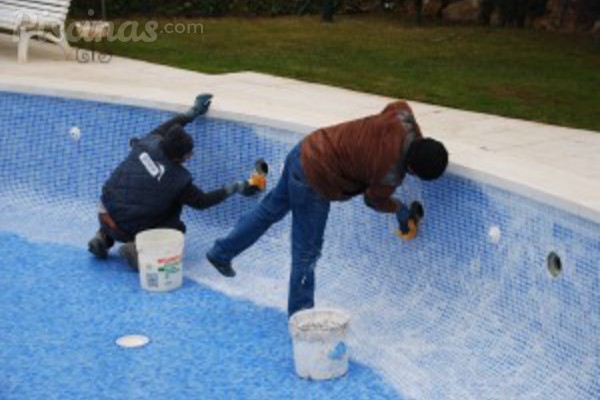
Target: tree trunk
(328,10)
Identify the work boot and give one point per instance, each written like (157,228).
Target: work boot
(223,267)
(129,253)
(100,244)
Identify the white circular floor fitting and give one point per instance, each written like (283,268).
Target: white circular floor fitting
(75,133)
(132,341)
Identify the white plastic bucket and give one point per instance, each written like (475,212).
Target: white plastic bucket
(319,343)
(160,256)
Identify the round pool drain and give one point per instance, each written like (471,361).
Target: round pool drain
(132,341)
(75,133)
(494,234)
(554,264)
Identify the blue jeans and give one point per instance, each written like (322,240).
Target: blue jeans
(309,218)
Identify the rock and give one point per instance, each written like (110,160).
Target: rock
(432,7)
(462,11)
(545,23)
(558,17)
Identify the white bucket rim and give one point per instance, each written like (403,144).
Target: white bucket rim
(158,236)
(296,327)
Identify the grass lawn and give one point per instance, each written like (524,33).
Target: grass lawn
(533,75)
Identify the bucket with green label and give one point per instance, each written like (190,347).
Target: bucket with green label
(160,259)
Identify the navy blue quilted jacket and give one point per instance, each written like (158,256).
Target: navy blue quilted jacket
(144,187)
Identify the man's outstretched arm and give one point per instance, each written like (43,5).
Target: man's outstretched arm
(380,199)
(199,108)
(194,197)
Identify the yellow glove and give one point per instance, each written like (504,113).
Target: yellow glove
(411,233)
(408,220)
(258,180)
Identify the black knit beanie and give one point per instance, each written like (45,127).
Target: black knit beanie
(177,143)
(427,158)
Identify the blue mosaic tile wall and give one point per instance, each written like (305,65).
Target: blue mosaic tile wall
(454,314)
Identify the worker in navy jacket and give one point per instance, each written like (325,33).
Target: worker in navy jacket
(150,187)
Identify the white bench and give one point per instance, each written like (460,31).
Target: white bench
(35,18)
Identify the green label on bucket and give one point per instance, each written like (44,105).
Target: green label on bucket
(169,269)
(169,265)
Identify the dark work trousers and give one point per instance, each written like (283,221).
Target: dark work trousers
(309,218)
(171,220)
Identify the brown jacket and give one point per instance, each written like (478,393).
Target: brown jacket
(356,157)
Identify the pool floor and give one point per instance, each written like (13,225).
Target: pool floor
(63,310)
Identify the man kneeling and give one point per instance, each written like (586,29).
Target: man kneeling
(150,187)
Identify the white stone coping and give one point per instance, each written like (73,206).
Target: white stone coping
(549,185)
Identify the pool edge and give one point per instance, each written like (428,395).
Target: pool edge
(537,189)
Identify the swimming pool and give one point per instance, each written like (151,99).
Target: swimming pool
(467,311)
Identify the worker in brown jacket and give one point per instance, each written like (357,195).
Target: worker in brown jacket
(368,156)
